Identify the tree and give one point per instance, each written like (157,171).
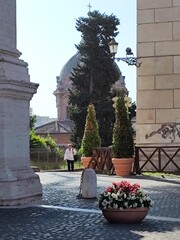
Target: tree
(52,145)
(32,119)
(91,138)
(123,142)
(36,141)
(93,79)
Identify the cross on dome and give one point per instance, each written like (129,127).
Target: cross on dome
(89,6)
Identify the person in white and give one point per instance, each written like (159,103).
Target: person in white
(69,157)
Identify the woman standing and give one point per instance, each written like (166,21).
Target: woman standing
(69,157)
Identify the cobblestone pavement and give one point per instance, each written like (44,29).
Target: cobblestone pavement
(63,216)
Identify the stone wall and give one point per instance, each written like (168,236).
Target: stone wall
(158,78)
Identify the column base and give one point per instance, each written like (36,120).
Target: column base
(21,191)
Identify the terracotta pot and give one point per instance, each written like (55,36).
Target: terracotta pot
(123,166)
(85,161)
(130,215)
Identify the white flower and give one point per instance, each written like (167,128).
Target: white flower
(152,203)
(119,197)
(115,205)
(133,197)
(114,195)
(124,195)
(134,205)
(106,194)
(120,194)
(144,198)
(143,193)
(104,203)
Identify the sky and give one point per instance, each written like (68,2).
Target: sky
(46,37)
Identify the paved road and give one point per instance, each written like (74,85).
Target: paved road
(63,216)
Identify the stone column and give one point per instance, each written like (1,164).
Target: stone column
(18,182)
(158,83)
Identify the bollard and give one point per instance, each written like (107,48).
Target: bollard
(89,184)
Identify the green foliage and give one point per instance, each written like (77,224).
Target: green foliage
(123,142)
(93,79)
(50,143)
(36,141)
(91,138)
(47,165)
(32,119)
(47,143)
(54,165)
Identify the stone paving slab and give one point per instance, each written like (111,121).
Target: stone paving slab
(42,223)
(64,216)
(62,189)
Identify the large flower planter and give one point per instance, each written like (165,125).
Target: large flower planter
(123,166)
(129,215)
(85,161)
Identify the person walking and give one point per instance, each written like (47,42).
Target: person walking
(69,157)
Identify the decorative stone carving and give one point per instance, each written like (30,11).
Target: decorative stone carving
(169,131)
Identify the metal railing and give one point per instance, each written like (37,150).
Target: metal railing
(159,158)
(43,155)
(101,160)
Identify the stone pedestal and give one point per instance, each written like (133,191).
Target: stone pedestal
(18,182)
(89,184)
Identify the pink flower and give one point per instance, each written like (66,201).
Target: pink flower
(124,195)
(109,189)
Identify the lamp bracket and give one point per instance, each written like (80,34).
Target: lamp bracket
(131,61)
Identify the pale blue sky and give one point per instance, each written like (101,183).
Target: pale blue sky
(46,35)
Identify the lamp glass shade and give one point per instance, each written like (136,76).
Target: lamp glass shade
(113,46)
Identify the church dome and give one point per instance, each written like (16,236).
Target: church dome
(68,67)
(63,81)
(64,84)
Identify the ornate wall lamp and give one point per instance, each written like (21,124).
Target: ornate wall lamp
(129,59)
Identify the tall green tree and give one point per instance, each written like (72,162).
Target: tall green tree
(91,138)
(92,80)
(123,142)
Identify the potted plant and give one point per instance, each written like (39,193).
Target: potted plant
(124,202)
(123,141)
(91,138)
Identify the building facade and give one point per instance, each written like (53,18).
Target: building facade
(158,80)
